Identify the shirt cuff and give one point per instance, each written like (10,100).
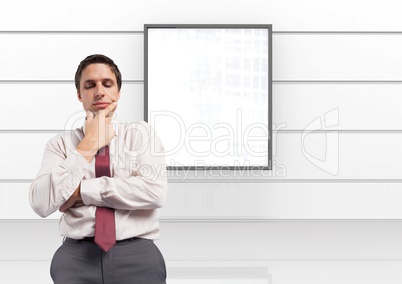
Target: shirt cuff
(91,191)
(77,166)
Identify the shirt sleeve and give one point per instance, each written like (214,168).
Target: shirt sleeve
(146,186)
(58,178)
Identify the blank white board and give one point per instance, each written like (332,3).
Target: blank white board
(208,93)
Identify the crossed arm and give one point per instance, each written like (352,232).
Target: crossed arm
(98,133)
(61,183)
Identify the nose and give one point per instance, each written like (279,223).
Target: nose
(100,92)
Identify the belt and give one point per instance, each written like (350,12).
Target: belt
(92,240)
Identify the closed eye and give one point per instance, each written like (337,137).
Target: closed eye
(107,83)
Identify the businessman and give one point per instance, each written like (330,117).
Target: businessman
(108,179)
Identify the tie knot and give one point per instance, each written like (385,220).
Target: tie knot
(102,162)
(103,151)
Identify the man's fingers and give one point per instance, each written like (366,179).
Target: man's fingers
(68,204)
(64,207)
(110,109)
(89,115)
(102,115)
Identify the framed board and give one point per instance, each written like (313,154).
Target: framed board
(208,94)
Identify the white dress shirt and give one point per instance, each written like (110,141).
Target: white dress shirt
(136,188)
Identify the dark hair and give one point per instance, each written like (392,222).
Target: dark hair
(93,59)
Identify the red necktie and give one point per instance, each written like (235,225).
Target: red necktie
(105,230)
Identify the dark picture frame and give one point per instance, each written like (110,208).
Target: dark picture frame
(228,83)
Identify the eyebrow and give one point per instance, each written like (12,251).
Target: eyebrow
(103,80)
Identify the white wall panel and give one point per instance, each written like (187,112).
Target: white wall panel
(282,240)
(360,106)
(218,272)
(306,155)
(337,57)
(335,272)
(295,56)
(311,240)
(302,272)
(51,106)
(22,154)
(44,234)
(14,202)
(283,201)
(25,272)
(371,156)
(295,106)
(312,15)
(321,154)
(245,201)
(56,56)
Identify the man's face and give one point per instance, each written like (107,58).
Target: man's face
(98,87)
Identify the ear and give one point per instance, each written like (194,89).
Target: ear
(79,96)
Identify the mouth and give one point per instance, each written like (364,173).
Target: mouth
(101,105)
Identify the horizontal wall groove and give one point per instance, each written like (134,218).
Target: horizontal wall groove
(58,81)
(279,131)
(357,82)
(273,220)
(192,263)
(339,32)
(6,181)
(244,180)
(30,131)
(71,32)
(225,220)
(341,131)
(278,180)
(38,220)
(142,32)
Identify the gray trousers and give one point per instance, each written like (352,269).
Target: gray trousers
(137,261)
